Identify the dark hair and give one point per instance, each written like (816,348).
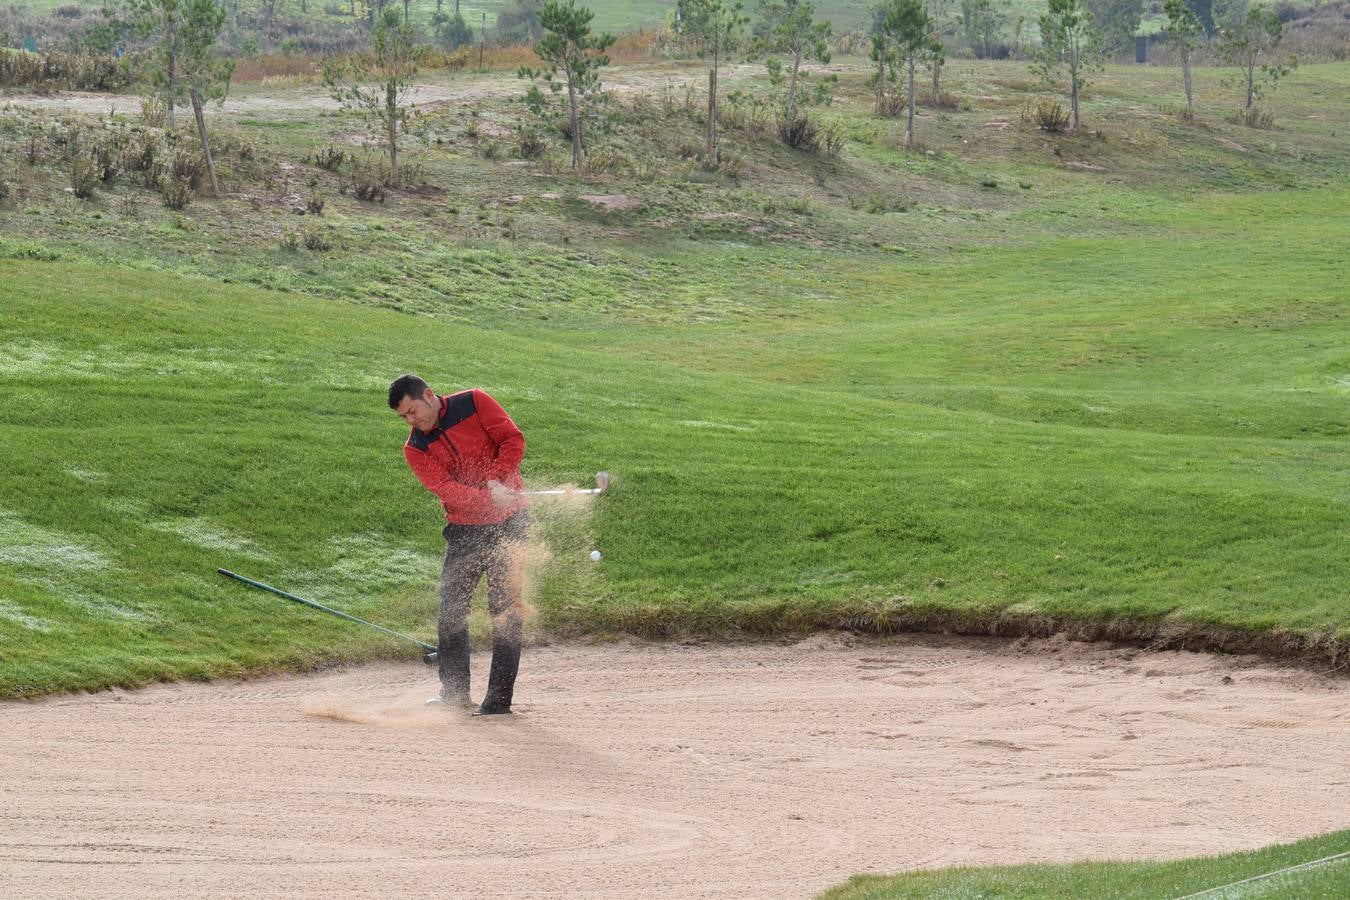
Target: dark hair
(406,386)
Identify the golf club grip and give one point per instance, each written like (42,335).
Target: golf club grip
(328,609)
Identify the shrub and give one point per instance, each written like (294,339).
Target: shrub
(367,183)
(154,112)
(607,161)
(314,204)
(989,182)
(893,106)
(800,133)
(1050,116)
(832,138)
(152,176)
(107,158)
(878,204)
(731,165)
(942,100)
(315,239)
(84,177)
(5,190)
(490,150)
(187,167)
(175,192)
(1253,118)
(329,158)
(140,151)
(530,143)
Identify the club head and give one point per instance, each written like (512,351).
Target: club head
(429,657)
(601,481)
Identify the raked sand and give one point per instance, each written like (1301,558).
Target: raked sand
(755,770)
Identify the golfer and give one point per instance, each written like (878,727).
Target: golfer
(465,449)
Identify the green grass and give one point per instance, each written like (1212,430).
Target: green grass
(860,392)
(1123,880)
(945,445)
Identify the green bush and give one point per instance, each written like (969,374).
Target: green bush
(175,192)
(1050,116)
(84,178)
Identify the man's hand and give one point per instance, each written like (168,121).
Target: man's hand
(502,495)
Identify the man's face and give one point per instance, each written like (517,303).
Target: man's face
(422,412)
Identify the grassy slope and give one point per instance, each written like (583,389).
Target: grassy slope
(1120,881)
(157,420)
(1116,397)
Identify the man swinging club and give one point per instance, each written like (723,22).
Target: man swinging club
(465,449)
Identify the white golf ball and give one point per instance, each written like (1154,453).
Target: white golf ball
(595,556)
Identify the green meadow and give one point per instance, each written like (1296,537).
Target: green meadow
(1215,876)
(1006,383)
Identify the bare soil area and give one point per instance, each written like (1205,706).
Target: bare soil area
(669,771)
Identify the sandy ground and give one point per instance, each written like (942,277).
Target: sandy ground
(672,771)
(254,100)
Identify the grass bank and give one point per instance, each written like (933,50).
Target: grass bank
(954,450)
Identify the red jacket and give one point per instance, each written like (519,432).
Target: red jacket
(474,442)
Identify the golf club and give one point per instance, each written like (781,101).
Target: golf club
(601,484)
(428,650)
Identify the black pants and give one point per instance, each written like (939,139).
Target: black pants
(471,552)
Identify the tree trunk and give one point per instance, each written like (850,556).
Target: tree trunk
(1073,85)
(1186,76)
(712,113)
(405,12)
(391,120)
(937,79)
(173,88)
(576,125)
(792,86)
(1251,90)
(909,128)
(206,144)
(881,82)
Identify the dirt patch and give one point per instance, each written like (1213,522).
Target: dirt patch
(612,202)
(674,770)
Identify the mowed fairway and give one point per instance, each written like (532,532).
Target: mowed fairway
(1132,432)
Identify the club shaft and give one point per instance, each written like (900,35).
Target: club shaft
(560,491)
(328,609)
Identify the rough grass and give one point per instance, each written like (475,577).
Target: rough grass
(1125,880)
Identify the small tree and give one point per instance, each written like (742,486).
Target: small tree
(882,53)
(941,18)
(1188,32)
(161,22)
(713,28)
(1249,42)
(1068,41)
(451,31)
(983,21)
(570,47)
(791,29)
(391,65)
(910,31)
(1116,21)
(207,79)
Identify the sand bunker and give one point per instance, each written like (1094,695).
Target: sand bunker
(674,771)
